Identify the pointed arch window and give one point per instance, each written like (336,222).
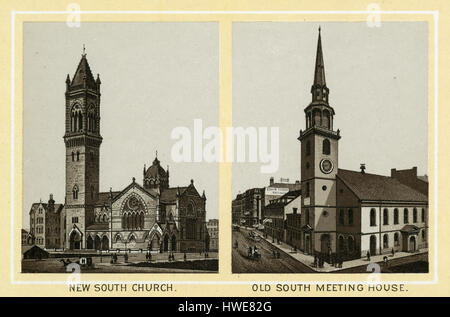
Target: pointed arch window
(76,118)
(78,156)
(75,192)
(405,215)
(73,156)
(415,215)
(326,147)
(423,215)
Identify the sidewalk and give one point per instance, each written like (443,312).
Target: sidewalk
(309,259)
(156,258)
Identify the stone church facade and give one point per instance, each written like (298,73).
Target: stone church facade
(151,216)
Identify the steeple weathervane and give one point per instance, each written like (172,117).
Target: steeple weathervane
(84,50)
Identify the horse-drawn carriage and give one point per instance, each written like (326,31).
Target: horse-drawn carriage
(254,236)
(253,253)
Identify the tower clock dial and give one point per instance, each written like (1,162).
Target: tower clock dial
(326,166)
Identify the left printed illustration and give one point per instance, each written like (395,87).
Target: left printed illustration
(101,104)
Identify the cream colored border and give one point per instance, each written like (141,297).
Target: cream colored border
(223,283)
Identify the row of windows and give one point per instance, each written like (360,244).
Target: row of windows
(373,218)
(326,147)
(75,191)
(319,118)
(76,119)
(133,220)
(397,239)
(77,155)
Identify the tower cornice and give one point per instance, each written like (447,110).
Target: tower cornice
(319,131)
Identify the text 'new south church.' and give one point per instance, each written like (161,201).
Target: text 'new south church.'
(153,216)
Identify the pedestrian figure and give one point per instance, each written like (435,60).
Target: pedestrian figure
(126,257)
(393,252)
(184,257)
(315,260)
(149,256)
(368,256)
(385,260)
(170,258)
(274,254)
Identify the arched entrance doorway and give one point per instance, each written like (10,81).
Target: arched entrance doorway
(90,243)
(105,243)
(97,243)
(166,243)
(373,245)
(324,243)
(174,243)
(75,240)
(412,244)
(154,244)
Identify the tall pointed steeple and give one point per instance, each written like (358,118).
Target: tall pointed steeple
(83,77)
(319,88)
(319,73)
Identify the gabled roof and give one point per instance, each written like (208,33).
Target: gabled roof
(134,184)
(169,195)
(103,198)
(58,207)
(379,188)
(83,73)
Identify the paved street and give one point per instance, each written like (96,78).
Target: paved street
(102,264)
(266,264)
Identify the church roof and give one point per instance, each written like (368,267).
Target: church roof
(83,73)
(319,72)
(103,198)
(378,187)
(134,184)
(169,195)
(156,170)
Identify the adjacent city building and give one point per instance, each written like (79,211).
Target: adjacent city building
(248,208)
(213,231)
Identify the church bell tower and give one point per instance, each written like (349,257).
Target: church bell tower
(319,164)
(82,139)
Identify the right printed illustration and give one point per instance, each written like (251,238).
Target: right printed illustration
(347,186)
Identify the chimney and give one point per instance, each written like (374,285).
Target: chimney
(51,202)
(271,180)
(363,167)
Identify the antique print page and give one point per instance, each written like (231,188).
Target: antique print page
(226,148)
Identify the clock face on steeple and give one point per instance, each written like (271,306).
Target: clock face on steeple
(326,166)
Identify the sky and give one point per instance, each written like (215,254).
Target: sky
(155,77)
(158,76)
(378,83)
